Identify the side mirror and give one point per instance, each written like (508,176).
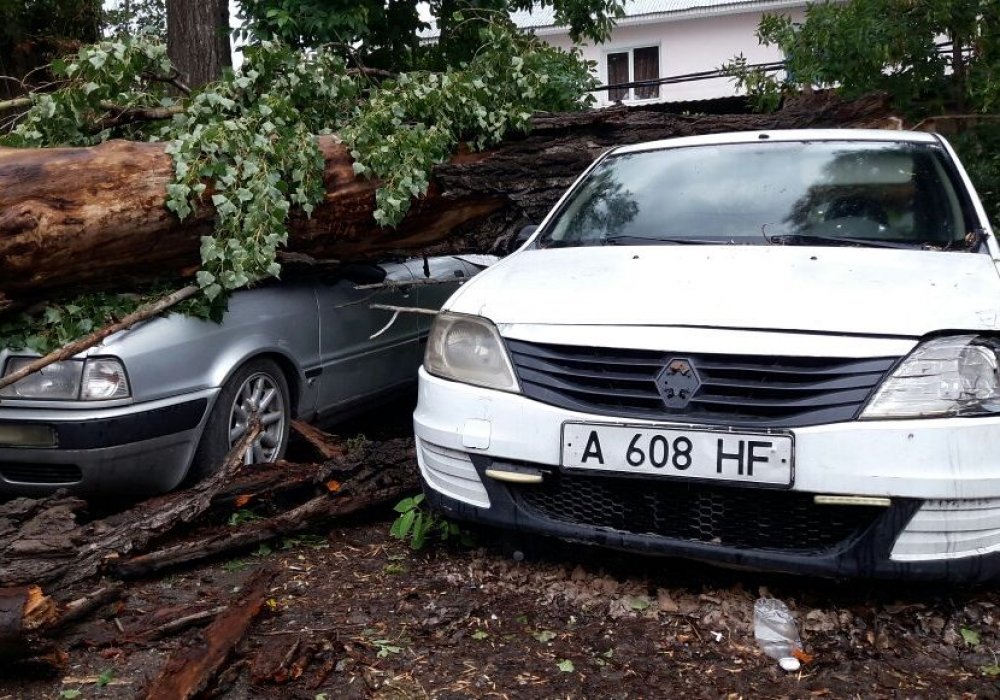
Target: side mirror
(361,273)
(522,237)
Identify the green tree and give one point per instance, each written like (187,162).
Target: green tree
(132,17)
(386,33)
(930,55)
(33,32)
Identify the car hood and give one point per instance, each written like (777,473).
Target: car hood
(792,288)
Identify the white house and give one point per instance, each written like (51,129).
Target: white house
(667,38)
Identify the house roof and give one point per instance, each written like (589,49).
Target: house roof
(542,19)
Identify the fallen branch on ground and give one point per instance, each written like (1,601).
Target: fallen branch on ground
(70,556)
(191,668)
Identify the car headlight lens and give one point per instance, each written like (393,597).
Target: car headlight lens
(469,349)
(95,379)
(104,378)
(954,376)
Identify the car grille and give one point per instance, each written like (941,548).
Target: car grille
(40,473)
(735,389)
(742,518)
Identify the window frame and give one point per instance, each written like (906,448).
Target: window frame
(630,49)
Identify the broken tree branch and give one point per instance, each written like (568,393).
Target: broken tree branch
(363,487)
(181,623)
(76,347)
(405,283)
(405,309)
(16,103)
(82,607)
(191,668)
(326,444)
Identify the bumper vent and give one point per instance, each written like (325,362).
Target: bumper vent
(40,473)
(734,517)
(734,389)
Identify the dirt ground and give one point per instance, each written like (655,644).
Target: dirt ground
(353,613)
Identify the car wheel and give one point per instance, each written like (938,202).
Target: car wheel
(259,386)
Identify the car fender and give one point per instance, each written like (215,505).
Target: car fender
(249,347)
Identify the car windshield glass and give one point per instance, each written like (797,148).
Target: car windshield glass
(766,193)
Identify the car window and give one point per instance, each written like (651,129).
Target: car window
(756,192)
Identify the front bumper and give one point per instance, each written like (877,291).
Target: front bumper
(942,476)
(139,448)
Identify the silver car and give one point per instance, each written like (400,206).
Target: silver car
(167,399)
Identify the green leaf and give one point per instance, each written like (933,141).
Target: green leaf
(544,636)
(480,634)
(970,636)
(566,666)
(638,603)
(107,675)
(70,694)
(403,524)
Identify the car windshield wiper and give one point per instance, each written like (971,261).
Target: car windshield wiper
(806,239)
(649,240)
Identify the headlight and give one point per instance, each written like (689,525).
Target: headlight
(90,380)
(955,376)
(104,378)
(469,349)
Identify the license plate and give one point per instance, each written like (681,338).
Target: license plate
(679,452)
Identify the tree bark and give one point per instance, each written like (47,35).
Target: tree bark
(198,39)
(95,217)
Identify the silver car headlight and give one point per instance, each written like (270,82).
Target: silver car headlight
(469,349)
(96,379)
(953,376)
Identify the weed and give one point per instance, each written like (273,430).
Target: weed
(417,523)
(234,565)
(243,515)
(107,675)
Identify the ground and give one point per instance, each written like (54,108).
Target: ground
(354,613)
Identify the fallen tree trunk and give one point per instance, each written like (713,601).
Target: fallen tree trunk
(73,217)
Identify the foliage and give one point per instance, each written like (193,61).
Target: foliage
(388,36)
(418,524)
(414,122)
(33,32)
(891,45)
(247,142)
(979,150)
(132,17)
(62,321)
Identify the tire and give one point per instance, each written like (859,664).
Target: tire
(255,378)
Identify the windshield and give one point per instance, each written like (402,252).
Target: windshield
(820,192)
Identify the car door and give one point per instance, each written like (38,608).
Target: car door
(355,366)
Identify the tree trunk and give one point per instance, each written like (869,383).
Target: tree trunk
(79,217)
(198,39)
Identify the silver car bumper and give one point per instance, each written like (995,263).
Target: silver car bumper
(140,448)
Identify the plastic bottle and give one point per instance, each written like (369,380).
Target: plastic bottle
(775,631)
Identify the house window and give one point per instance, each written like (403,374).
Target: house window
(634,65)
(618,73)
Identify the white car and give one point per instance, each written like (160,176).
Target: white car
(775,350)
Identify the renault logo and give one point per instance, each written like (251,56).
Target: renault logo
(677,383)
